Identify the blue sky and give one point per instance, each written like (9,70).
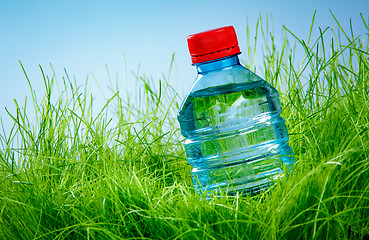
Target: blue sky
(83,36)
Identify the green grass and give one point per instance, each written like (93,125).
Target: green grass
(75,172)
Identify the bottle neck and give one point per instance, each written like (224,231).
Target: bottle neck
(217,64)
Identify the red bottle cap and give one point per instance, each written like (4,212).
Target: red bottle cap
(213,44)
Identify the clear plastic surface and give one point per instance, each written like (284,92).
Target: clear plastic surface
(236,139)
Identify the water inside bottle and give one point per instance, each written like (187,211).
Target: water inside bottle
(235,137)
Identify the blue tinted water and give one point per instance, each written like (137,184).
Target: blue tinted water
(236,139)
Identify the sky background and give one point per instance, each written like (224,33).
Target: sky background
(84,36)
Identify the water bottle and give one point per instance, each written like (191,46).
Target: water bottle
(236,140)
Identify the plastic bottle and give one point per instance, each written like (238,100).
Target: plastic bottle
(236,139)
